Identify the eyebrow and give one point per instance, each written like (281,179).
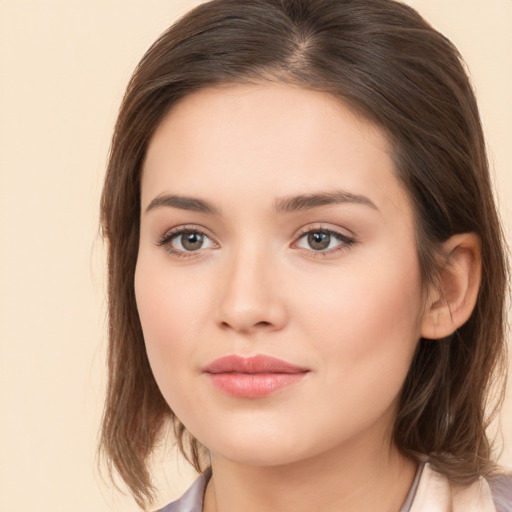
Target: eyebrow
(282,205)
(315,200)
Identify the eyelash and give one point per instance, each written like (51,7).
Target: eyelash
(168,236)
(345,241)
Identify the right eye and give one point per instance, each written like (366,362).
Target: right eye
(185,240)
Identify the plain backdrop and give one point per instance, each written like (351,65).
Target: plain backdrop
(63,69)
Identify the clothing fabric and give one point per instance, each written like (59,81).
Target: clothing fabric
(430,492)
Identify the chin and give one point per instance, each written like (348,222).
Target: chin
(261,447)
(258,456)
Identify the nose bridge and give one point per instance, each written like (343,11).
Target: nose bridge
(250,298)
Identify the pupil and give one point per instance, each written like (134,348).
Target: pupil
(319,240)
(192,241)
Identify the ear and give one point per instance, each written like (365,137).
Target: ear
(451,300)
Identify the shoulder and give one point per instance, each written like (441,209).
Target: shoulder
(501,488)
(192,500)
(435,492)
(493,494)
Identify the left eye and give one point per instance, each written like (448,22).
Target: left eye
(322,240)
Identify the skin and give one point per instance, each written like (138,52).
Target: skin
(351,314)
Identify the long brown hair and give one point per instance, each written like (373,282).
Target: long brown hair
(384,61)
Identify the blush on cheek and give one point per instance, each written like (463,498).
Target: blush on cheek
(373,323)
(168,320)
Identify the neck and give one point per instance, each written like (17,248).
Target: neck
(355,478)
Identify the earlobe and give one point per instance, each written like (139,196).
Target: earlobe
(451,302)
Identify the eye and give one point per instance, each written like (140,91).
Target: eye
(323,240)
(186,240)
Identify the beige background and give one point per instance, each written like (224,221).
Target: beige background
(63,68)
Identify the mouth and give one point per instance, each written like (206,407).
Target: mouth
(253,377)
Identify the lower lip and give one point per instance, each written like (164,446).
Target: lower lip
(253,385)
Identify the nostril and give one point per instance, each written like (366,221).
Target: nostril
(262,324)
(257,325)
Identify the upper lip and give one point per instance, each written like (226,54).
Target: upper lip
(253,364)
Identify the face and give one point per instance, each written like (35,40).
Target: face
(277,279)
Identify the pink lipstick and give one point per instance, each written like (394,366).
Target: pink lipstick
(252,377)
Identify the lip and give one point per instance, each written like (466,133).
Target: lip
(253,377)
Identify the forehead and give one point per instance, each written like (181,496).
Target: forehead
(250,142)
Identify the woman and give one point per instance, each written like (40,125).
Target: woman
(306,266)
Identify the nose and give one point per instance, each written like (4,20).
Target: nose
(251,295)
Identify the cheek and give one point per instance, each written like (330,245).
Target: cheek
(170,314)
(366,324)
(378,296)
(171,304)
